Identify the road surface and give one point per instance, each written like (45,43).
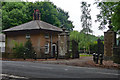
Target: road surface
(28,70)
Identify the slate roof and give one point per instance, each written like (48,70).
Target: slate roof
(2,37)
(35,24)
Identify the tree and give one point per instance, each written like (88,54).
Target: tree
(0,20)
(86,21)
(63,17)
(80,38)
(29,50)
(75,35)
(16,13)
(86,18)
(13,13)
(109,10)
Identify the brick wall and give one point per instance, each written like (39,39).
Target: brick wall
(37,38)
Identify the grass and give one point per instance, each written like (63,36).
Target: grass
(85,55)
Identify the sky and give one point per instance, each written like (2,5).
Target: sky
(74,10)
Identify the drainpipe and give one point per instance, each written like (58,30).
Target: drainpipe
(51,45)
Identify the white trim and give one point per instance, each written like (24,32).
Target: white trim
(47,45)
(55,47)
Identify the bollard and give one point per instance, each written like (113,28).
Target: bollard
(56,56)
(35,57)
(94,57)
(101,59)
(24,56)
(46,57)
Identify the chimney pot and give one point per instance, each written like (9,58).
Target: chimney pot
(36,15)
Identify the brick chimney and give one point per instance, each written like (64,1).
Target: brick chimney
(36,15)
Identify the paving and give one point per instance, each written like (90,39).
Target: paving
(27,70)
(84,61)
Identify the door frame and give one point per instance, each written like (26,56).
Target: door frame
(53,54)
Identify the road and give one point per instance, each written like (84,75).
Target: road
(40,70)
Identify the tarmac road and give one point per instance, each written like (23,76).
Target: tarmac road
(28,70)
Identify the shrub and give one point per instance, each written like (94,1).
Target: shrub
(18,50)
(94,47)
(29,50)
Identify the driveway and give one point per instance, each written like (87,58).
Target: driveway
(29,70)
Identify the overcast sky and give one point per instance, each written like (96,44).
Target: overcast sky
(73,7)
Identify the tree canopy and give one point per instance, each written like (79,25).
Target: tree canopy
(109,10)
(16,13)
(83,41)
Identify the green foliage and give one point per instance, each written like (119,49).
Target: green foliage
(18,50)
(84,40)
(94,47)
(75,35)
(16,13)
(13,13)
(112,11)
(86,18)
(84,55)
(29,50)
(21,51)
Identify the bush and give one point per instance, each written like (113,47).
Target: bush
(29,50)
(18,50)
(94,47)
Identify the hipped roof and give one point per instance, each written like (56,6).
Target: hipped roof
(34,25)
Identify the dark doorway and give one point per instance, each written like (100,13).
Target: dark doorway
(54,49)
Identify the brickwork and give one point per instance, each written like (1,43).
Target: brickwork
(37,38)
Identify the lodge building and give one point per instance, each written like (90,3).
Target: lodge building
(44,36)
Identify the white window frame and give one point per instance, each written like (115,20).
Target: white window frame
(47,35)
(28,36)
(47,48)
(2,49)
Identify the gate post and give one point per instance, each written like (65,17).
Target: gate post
(75,53)
(63,44)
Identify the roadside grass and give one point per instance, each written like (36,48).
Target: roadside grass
(85,55)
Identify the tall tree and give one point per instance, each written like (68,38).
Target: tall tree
(109,10)
(63,17)
(86,21)
(86,18)
(16,13)
(13,13)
